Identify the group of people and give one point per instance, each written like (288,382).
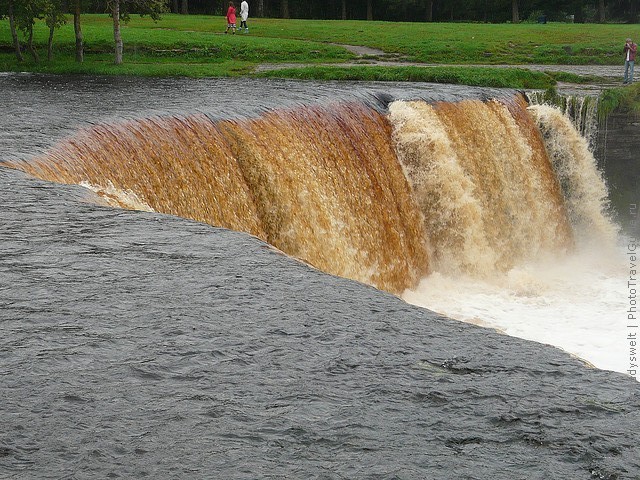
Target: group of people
(231,17)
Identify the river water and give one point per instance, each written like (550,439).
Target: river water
(137,345)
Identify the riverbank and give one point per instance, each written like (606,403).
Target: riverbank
(567,79)
(474,54)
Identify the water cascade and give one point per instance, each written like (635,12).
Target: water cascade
(379,198)
(584,189)
(484,183)
(582,110)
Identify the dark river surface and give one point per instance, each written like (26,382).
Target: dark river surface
(138,345)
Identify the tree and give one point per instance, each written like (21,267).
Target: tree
(578,11)
(117,34)
(515,14)
(120,9)
(285,8)
(8,10)
(26,13)
(601,11)
(54,18)
(23,15)
(78,31)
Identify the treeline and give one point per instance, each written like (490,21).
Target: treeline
(491,11)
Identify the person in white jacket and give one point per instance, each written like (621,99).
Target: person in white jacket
(244,14)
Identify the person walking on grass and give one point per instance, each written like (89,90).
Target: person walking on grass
(244,14)
(231,19)
(630,50)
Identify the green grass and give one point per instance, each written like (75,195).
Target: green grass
(477,76)
(102,64)
(621,99)
(470,43)
(195,46)
(574,78)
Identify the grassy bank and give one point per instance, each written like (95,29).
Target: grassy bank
(625,100)
(195,46)
(485,77)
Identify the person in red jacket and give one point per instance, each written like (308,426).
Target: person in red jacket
(630,50)
(231,19)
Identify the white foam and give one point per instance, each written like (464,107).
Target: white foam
(577,303)
(117,197)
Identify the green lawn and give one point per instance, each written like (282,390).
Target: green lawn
(195,46)
(469,42)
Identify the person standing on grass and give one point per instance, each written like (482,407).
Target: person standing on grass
(244,14)
(630,50)
(231,19)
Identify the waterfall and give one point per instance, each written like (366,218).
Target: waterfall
(584,189)
(486,187)
(582,110)
(382,198)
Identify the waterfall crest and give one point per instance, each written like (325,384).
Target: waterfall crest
(323,185)
(472,187)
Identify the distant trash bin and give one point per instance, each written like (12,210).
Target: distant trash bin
(542,19)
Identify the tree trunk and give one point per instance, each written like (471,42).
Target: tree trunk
(50,44)
(344,9)
(14,33)
(78,30)
(601,11)
(633,12)
(369,10)
(430,11)
(285,8)
(30,48)
(260,8)
(175,6)
(185,7)
(515,15)
(578,16)
(117,35)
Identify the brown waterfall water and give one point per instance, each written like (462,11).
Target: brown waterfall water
(321,185)
(481,175)
(381,199)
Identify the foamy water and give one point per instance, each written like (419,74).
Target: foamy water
(116,197)
(576,299)
(578,303)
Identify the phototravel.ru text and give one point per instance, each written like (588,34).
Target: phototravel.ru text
(632,312)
